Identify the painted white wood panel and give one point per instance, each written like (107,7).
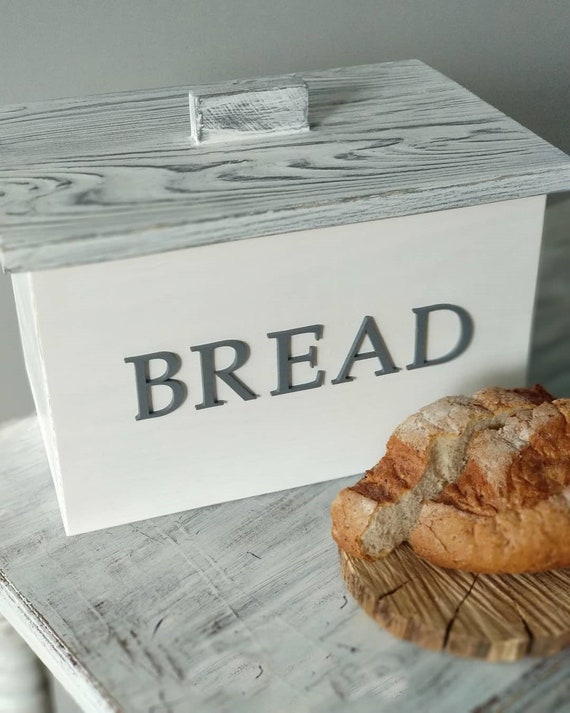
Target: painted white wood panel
(87,180)
(91,317)
(24,299)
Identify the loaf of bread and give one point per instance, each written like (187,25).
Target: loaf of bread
(480,484)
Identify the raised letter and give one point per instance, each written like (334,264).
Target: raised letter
(369,329)
(422,317)
(285,360)
(209,371)
(144,383)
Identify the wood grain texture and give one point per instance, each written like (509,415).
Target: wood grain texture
(237,602)
(112,176)
(491,617)
(248,109)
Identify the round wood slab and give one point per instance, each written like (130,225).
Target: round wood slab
(492,617)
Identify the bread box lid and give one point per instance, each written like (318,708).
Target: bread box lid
(114,176)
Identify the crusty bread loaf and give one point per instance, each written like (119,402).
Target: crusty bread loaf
(480,484)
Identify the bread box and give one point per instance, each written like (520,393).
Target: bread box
(243,288)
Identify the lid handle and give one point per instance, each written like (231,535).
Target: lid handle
(246,109)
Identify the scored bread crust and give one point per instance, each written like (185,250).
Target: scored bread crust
(389,496)
(511,542)
(480,484)
(509,510)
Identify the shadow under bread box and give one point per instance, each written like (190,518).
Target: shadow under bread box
(248,291)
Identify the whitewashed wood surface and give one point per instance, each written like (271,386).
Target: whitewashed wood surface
(112,176)
(233,607)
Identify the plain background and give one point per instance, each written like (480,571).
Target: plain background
(513,53)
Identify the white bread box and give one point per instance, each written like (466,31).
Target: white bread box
(236,295)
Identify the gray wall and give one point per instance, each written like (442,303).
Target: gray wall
(513,53)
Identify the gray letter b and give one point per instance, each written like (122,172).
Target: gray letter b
(144,383)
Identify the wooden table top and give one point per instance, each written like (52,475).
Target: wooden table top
(240,602)
(239,606)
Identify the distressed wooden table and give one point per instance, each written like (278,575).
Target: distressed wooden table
(238,606)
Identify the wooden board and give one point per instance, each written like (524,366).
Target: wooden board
(492,617)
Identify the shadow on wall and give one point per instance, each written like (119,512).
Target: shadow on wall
(15,394)
(551,337)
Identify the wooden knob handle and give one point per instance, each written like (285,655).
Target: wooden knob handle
(245,109)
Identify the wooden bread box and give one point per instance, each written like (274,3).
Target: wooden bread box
(245,287)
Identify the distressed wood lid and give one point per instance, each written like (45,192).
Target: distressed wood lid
(113,176)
